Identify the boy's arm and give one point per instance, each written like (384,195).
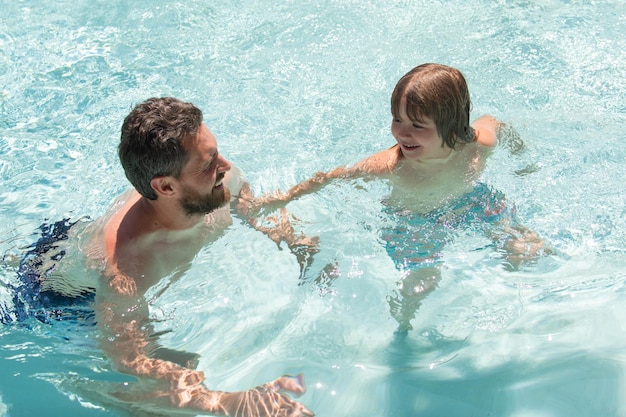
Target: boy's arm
(486,129)
(519,245)
(281,228)
(248,204)
(378,164)
(491,132)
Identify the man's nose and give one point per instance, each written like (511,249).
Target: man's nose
(224,165)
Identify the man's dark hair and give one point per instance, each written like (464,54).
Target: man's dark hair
(152,141)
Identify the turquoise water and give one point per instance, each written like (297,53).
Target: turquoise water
(290,88)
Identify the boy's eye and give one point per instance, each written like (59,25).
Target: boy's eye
(415,125)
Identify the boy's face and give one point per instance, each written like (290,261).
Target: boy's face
(418,140)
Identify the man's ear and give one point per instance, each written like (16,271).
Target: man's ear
(164,186)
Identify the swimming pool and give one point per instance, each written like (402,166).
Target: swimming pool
(290,88)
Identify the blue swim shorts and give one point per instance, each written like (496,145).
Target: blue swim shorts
(416,239)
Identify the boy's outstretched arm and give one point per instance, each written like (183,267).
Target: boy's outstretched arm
(380,163)
(249,205)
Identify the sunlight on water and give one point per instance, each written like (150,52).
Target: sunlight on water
(294,88)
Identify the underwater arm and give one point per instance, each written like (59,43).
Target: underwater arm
(518,244)
(128,341)
(279,228)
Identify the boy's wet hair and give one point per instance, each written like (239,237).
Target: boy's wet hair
(438,92)
(152,141)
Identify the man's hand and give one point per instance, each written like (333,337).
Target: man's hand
(263,401)
(302,246)
(123,285)
(248,205)
(267,401)
(282,230)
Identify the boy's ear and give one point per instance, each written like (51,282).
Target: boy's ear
(163,186)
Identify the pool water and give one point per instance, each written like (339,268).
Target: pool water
(290,88)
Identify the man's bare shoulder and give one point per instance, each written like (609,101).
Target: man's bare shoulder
(122,217)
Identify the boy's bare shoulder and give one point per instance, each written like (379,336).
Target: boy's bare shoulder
(486,128)
(382,162)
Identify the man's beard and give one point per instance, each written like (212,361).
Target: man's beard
(194,204)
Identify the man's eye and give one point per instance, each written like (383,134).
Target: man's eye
(211,163)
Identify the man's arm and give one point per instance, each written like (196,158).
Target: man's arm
(122,315)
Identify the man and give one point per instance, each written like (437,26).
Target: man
(182,189)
